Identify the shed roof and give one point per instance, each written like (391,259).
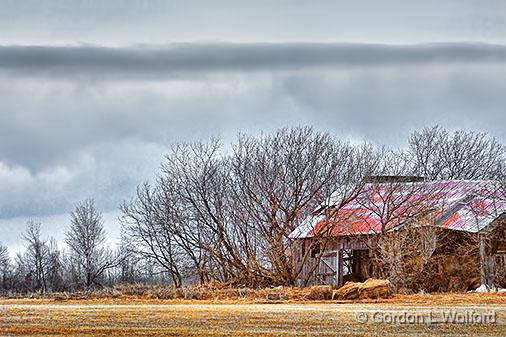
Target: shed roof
(465,205)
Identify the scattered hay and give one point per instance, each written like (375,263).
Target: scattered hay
(370,291)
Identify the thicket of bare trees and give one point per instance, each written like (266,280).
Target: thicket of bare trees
(225,213)
(4,268)
(44,267)
(436,153)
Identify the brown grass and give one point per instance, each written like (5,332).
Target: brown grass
(193,318)
(218,310)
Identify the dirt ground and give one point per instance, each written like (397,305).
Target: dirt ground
(404,316)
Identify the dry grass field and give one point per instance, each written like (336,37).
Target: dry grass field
(141,317)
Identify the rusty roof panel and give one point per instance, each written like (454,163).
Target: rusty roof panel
(466,205)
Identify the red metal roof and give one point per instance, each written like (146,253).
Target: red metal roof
(457,204)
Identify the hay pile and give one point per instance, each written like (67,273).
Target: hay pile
(371,288)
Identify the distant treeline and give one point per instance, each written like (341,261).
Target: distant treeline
(225,214)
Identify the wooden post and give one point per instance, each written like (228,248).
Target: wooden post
(483,261)
(336,268)
(491,269)
(340,262)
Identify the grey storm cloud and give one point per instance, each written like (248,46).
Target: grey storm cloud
(193,58)
(88,121)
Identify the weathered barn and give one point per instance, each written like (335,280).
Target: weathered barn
(340,242)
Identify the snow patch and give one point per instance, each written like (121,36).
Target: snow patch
(485,289)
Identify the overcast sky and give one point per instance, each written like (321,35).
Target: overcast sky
(92,93)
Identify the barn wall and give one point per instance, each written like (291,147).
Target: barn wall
(328,264)
(456,265)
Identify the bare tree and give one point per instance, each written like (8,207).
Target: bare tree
(55,268)
(436,154)
(36,255)
(86,240)
(502,181)
(5,268)
(404,254)
(151,231)
(198,175)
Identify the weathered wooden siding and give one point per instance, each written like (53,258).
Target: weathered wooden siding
(329,269)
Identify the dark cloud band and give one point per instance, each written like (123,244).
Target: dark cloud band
(187,58)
